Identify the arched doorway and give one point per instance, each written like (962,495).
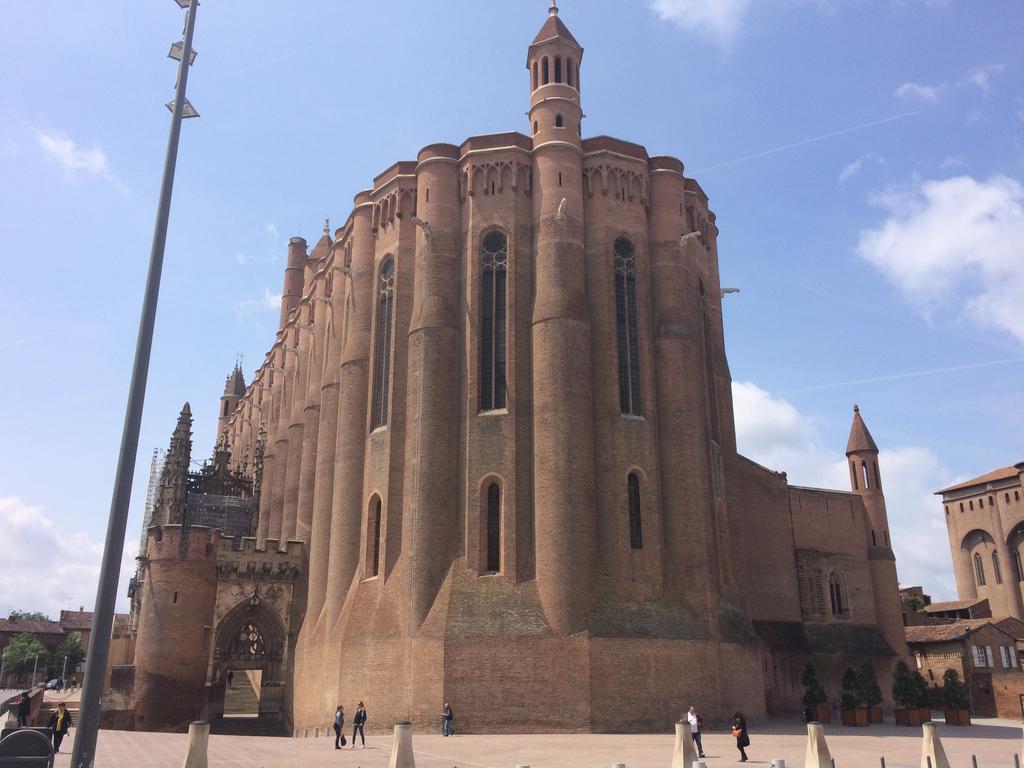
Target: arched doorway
(248,674)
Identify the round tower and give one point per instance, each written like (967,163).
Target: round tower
(564,522)
(866,481)
(234,390)
(173,645)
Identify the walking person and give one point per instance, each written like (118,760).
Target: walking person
(696,724)
(230,676)
(60,721)
(339,724)
(24,710)
(357,725)
(739,730)
(447,716)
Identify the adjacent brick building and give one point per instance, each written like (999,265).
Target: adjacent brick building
(984,652)
(497,425)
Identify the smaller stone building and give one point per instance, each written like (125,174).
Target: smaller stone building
(49,633)
(984,652)
(976,608)
(985,521)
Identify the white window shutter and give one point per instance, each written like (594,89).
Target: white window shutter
(1013,657)
(1004,656)
(988,655)
(979,656)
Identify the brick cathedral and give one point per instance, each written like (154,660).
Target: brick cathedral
(491,460)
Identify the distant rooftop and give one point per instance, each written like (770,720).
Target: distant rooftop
(998,474)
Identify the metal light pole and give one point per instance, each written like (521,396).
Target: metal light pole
(84,751)
(35,665)
(64,670)
(3,666)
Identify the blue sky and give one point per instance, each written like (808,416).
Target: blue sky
(865,160)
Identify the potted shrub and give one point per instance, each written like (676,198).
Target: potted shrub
(850,700)
(905,696)
(871,693)
(920,687)
(958,710)
(814,698)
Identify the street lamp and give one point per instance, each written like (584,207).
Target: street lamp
(84,752)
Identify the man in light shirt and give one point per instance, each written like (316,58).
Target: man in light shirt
(696,723)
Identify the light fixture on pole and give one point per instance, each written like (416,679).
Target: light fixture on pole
(84,752)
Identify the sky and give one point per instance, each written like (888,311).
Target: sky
(865,160)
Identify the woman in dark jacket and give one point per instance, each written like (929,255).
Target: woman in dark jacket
(357,725)
(739,730)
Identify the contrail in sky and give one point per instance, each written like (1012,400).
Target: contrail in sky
(807,141)
(910,375)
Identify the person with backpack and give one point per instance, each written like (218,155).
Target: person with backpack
(696,725)
(357,725)
(447,716)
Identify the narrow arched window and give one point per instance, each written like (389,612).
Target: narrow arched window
(544,70)
(853,469)
(996,572)
(382,343)
(494,270)
(535,75)
(493,528)
(535,126)
(627,327)
(878,478)
(979,570)
(864,470)
(837,595)
(709,364)
(874,541)
(375,513)
(569,76)
(1019,567)
(559,122)
(558,69)
(636,535)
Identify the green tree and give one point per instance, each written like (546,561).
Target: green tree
(28,616)
(903,686)
(814,693)
(915,602)
(920,691)
(72,649)
(954,690)
(851,687)
(870,692)
(21,653)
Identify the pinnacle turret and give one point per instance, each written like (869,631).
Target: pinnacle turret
(860,438)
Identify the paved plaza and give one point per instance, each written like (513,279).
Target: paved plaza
(994,742)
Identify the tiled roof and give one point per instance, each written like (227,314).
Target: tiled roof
(944,633)
(998,474)
(31,626)
(954,605)
(860,438)
(554,27)
(76,619)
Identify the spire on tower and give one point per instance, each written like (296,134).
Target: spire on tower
(553,10)
(860,438)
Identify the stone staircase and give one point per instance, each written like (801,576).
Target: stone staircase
(241,698)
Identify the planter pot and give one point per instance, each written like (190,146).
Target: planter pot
(908,716)
(875,715)
(958,717)
(856,717)
(821,713)
(925,715)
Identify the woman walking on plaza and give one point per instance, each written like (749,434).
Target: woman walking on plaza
(739,730)
(357,725)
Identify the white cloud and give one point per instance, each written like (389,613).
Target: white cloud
(852,169)
(918,92)
(75,160)
(272,230)
(269,301)
(982,76)
(772,432)
(44,565)
(716,20)
(952,162)
(955,245)
(243,258)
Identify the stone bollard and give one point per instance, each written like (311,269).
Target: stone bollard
(618,765)
(931,748)
(700,764)
(522,766)
(778,764)
(198,740)
(684,754)
(401,747)
(818,755)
